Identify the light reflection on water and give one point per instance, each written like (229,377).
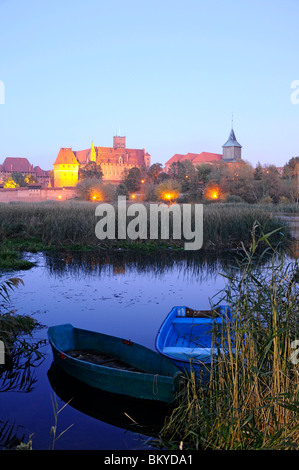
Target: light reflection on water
(123,295)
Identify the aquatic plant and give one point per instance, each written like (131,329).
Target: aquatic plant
(250,400)
(21,354)
(71,224)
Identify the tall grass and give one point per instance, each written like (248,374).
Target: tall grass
(72,224)
(251,397)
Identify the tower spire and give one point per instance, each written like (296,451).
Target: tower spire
(232,148)
(93,155)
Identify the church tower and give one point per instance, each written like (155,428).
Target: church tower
(231,149)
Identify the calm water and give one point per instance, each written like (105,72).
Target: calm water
(115,296)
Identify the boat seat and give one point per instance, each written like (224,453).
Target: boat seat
(188,353)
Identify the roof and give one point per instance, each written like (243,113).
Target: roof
(18,164)
(66,156)
(203,157)
(232,141)
(176,158)
(111,155)
(40,172)
(206,157)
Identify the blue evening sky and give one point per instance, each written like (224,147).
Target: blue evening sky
(167,74)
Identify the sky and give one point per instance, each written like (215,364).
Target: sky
(166,74)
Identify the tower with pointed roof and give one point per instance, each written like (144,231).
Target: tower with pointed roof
(93,155)
(232,150)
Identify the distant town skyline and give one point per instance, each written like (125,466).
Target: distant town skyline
(167,75)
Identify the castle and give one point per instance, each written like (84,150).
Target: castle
(113,161)
(232,153)
(12,165)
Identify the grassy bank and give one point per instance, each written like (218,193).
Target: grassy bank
(71,225)
(250,400)
(10,259)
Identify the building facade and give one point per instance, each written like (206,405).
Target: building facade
(113,160)
(231,153)
(21,165)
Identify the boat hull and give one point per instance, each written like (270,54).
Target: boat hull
(187,340)
(157,379)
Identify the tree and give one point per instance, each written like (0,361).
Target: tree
(162,177)
(268,185)
(185,173)
(30,179)
(132,179)
(204,172)
(9,182)
(290,179)
(289,168)
(154,171)
(93,189)
(19,179)
(237,179)
(122,190)
(258,172)
(91,170)
(168,191)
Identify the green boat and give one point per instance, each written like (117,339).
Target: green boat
(114,364)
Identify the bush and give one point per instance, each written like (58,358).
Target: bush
(93,189)
(168,191)
(234,198)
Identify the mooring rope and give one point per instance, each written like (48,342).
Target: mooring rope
(155,384)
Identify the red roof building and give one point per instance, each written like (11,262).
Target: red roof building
(113,160)
(231,154)
(195,158)
(22,165)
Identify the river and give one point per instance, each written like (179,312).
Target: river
(122,295)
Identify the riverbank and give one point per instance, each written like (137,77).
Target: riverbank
(70,225)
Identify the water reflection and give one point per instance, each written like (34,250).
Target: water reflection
(194,264)
(11,435)
(17,374)
(293,222)
(123,294)
(131,415)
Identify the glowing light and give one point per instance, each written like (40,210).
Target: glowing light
(170,196)
(142,181)
(133,196)
(59,197)
(95,195)
(212,193)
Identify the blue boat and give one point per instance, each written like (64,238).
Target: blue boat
(185,336)
(113,364)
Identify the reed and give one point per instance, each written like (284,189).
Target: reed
(71,224)
(250,400)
